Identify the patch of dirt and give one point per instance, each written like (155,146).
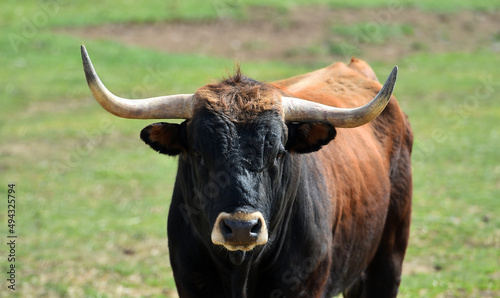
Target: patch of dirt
(419,266)
(305,34)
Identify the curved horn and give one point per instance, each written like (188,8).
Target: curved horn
(297,109)
(164,107)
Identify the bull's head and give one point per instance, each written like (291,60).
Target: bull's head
(237,140)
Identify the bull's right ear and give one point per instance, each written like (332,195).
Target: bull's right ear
(309,137)
(166,138)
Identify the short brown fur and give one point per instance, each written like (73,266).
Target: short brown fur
(239,98)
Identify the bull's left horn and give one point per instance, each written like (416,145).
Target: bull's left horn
(296,109)
(164,107)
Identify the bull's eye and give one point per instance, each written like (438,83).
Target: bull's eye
(198,155)
(280,154)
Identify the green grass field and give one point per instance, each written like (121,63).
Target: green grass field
(92,199)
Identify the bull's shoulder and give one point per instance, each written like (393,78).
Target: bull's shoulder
(337,85)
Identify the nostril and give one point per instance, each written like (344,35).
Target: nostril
(255,230)
(226,228)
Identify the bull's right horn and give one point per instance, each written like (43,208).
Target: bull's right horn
(178,106)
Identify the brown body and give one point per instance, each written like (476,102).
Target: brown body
(368,170)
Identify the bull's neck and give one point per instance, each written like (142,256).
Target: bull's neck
(239,280)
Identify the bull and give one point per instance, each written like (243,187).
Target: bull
(297,188)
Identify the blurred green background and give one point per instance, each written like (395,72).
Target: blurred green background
(92,199)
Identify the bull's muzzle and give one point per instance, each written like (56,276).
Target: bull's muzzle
(240,231)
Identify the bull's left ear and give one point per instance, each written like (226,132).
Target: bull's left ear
(308,137)
(165,138)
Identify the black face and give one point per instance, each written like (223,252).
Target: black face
(236,179)
(236,165)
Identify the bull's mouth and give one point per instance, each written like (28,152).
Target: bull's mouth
(237,257)
(239,232)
